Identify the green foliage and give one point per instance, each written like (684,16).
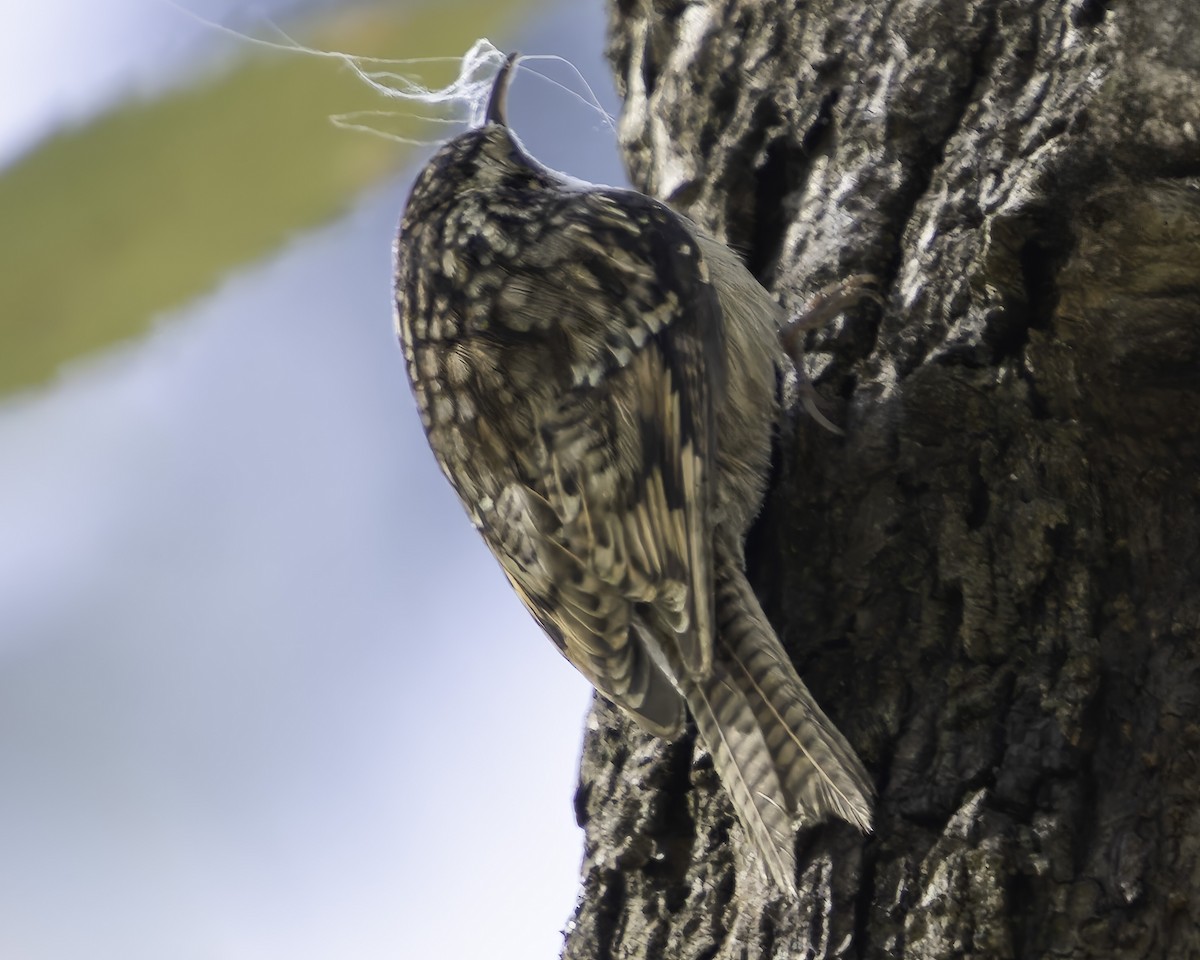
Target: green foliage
(107,225)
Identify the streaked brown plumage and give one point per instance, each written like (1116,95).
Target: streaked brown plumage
(598,381)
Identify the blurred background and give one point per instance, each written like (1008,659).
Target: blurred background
(263,693)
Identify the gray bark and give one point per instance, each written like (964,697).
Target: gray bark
(992,583)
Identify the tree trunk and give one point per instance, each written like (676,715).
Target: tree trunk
(992,582)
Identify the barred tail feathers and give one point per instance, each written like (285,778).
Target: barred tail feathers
(819,770)
(774,749)
(730,729)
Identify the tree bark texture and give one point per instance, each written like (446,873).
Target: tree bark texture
(992,582)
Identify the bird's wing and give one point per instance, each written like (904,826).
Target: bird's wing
(617,517)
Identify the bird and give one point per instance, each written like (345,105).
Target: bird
(599,380)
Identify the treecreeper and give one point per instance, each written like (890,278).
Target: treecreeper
(600,382)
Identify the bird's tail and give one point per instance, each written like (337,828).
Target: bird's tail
(774,749)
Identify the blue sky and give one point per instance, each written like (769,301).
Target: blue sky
(262,691)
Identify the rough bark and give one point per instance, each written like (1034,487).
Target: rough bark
(992,582)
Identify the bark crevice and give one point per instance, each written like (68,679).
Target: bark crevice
(992,582)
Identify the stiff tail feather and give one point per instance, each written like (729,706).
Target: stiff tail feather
(774,749)
(731,731)
(820,772)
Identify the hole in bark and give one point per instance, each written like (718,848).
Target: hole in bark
(1040,259)
(1090,13)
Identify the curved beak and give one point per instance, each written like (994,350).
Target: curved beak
(499,97)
